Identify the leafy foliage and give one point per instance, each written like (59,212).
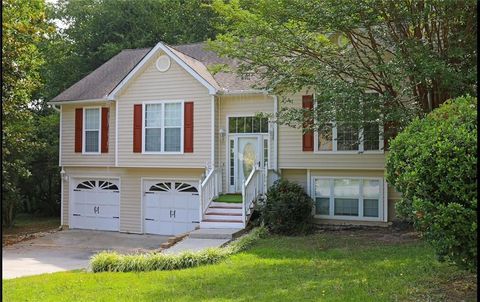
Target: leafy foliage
(114,262)
(96,30)
(413,54)
(433,164)
(24,26)
(287,210)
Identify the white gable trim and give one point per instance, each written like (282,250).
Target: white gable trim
(160,46)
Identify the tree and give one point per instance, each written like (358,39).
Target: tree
(433,163)
(96,30)
(23,28)
(413,54)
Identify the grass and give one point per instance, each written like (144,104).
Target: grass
(333,266)
(230,198)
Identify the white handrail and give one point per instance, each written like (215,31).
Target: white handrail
(209,189)
(251,189)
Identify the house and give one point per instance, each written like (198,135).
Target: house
(149,138)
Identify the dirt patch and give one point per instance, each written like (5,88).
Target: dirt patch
(12,239)
(388,235)
(29,228)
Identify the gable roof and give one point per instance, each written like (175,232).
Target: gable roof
(108,79)
(99,83)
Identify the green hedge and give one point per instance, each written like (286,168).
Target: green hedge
(114,262)
(433,163)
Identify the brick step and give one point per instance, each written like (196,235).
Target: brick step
(223,214)
(214,204)
(222,220)
(222,207)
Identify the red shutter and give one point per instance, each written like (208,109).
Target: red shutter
(105,118)
(78,129)
(307,141)
(137,128)
(188,128)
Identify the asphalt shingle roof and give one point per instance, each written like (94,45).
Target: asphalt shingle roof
(100,82)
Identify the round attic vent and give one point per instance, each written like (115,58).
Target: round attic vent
(163,63)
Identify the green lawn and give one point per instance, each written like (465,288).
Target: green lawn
(230,198)
(335,266)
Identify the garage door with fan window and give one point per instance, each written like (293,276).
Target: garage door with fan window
(95,204)
(170,207)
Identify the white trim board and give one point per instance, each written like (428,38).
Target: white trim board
(160,46)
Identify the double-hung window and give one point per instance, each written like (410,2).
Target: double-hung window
(163,127)
(91,132)
(348,198)
(344,137)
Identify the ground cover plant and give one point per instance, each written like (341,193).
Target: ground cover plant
(361,265)
(115,262)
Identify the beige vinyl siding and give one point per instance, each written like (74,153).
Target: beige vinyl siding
(65,199)
(243,105)
(130,188)
(71,158)
(174,84)
(291,155)
(296,176)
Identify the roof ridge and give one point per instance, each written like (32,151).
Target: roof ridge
(133,49)
(193,43)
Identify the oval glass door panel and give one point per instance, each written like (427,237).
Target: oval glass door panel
(247,156)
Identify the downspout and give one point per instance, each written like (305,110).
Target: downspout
(275,133)
(116,134)
(212,159)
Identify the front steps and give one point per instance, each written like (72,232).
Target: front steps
(222,215)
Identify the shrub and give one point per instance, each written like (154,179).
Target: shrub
(287,210)
(433,164)
(114,262)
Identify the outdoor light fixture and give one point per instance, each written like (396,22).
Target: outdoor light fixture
(64,175)
(221,132)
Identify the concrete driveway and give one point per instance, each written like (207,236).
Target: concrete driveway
(68,250)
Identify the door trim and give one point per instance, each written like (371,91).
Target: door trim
(142,191)
(71,181)
(260,138)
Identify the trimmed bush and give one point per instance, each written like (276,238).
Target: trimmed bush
(287,210)
(433,163)
(114,262)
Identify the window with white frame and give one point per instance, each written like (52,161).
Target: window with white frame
(347,198)
(91,132)
(163,127)
(344,137)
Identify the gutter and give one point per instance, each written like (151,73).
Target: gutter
(242,92)
(53,103)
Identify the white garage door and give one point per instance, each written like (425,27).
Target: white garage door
(95,204)
(170,207)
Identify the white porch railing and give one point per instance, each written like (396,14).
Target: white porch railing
(254,187)
(210,188)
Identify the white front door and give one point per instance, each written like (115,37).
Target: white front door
(95,204)
(170,207)
(248,152)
